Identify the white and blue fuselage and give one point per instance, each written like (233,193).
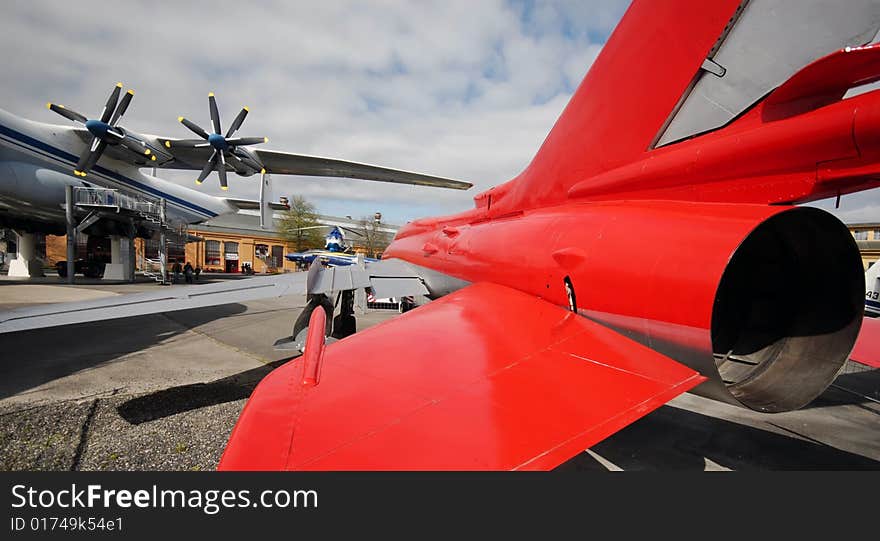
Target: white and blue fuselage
(37,162)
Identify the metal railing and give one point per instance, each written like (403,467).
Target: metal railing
(114,199)
(151,267)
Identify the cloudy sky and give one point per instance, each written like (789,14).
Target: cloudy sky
(461,89)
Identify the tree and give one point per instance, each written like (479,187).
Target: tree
(374,240)
(299,225)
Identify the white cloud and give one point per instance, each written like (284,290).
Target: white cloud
(857,208)
(453,88)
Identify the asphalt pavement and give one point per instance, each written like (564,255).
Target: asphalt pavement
(162,392)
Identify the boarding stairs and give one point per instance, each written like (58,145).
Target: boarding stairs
(98,200)
(152,268)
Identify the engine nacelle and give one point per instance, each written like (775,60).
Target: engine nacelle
(766,301)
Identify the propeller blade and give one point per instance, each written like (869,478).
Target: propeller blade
(111,103)
(89,157)
(122,107)
(244,141)
(208,168)
(221,170)
(215,114)
(195,128)
(66,113)
(97,151)
(113,137)
(138,147)
(80,169)
(237,122)
(354,231)
(186,143)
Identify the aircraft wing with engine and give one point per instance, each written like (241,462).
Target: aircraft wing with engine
(215,149)
(287,163)
(170,156)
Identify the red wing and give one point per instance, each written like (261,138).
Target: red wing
(867,348)
(484,378)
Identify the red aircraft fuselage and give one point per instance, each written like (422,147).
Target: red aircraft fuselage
(694,249)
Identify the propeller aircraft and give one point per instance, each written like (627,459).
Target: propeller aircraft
(39,161)
(692,140)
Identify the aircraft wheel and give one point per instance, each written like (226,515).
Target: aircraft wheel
(406,304)
(345,324)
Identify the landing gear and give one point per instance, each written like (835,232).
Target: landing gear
(301,326)
(337,327)
(345,324)
(406,304)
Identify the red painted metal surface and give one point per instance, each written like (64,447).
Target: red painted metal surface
(623,101)
(485,378)
(867,349)
(682,249)
(499,375)
(313,355)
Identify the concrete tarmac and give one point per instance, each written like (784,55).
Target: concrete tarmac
(164,391)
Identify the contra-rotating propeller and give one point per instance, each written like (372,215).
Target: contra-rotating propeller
(104,131)
(227,150)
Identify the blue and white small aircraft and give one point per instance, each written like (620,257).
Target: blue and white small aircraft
(334,254)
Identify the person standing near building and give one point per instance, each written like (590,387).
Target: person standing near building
(176,269)
(188,273)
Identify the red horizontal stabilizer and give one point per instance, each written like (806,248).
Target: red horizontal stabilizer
(487,378)
(867,348)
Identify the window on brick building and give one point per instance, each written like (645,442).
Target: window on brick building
(212,252)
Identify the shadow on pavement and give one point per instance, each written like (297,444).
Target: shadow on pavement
(29,359)
(174,400)
(860,388)
(677,439)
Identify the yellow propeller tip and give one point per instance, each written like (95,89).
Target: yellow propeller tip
(147,151)
(119,85)
(210,94)
(131,91)
(198,182)
(48,105)
(224,188)
(153,157)
(263,171)
(265,139)
(246,108)
(78,173)
(180,119)
(168,144)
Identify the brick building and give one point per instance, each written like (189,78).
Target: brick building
(222,244)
